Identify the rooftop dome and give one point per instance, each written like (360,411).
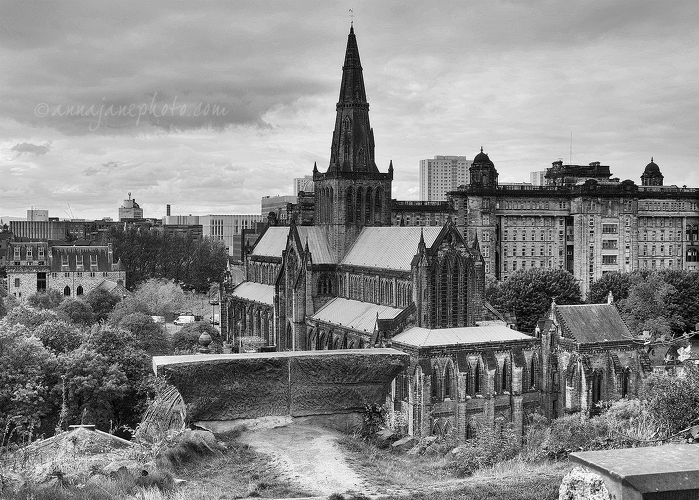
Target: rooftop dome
(652,167)
(482,158)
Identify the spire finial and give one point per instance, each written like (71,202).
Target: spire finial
(351,14)
(651,159)
(481,149)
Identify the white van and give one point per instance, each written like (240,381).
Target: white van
(184,319)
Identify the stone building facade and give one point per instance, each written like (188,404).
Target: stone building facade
(73,271)
(356,277)
(581,221)
(588,355)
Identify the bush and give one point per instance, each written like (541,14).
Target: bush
(373,419)
(186,339)
(491,445)
(673,401)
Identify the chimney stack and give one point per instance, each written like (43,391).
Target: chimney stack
(167,210)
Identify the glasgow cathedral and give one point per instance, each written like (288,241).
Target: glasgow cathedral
(352,280)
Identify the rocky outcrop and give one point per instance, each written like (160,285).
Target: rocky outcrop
(236,386)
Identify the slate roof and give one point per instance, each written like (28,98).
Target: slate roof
(389,247)
(113,287)
(273,243)
(317,243)
(354,314)
(101,252)
(256,292)
(424,337)
(592,323)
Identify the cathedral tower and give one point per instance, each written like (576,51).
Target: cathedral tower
(352,193)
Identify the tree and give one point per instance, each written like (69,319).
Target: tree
(149,336)
(186,339)
(617,282)
(28,316)
(76,311)
(48,299)
(161,297)
(3,308)
(59,336)
(23,371)
(646,309)
(102,303)
(528,293)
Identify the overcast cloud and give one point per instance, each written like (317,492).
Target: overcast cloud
(209,106)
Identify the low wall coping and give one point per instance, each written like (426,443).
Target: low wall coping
(670,471)
(198,358)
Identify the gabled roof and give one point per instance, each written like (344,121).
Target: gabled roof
(389,247)
(256,292)
(424,337)
(354,314)
(113,287)
(317,243)
(273,242)
(592,323)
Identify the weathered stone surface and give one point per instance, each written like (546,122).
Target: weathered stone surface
(581,484)
(385,437)
(336,381)
(403,444)
(228,389)
(303,383)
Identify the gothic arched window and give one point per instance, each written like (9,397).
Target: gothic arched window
(358,206)
(349,205)
(369,206)
(377,206)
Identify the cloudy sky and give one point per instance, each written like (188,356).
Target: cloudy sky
(209,106)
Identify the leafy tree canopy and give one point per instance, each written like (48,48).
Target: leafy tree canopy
(59,336)
(102,303)
(616,282)
(28,316)
(528,293)
(76,311)
(150,336)
(49,299)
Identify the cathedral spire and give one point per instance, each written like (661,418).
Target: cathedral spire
(352,148)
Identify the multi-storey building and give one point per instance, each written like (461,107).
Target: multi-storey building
(229,229)
(72,270)
(130,210)
(581,220)
(537,178)
(304,184)
(442,174)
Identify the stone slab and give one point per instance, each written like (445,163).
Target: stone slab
(299,383)
(636,473)
(229,389)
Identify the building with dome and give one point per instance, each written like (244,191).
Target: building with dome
(581,220)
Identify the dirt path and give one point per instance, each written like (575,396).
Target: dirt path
(309,456)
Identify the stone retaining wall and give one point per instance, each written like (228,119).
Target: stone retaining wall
(301,383)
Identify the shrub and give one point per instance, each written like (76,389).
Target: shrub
(673,401)
(373,419)
(492,444)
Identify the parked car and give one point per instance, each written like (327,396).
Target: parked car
(158,319)
(184,319)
